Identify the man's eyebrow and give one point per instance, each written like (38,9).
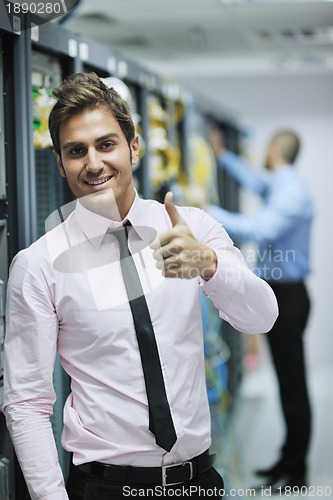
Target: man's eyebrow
(111,135)
(74,144)
(69,145)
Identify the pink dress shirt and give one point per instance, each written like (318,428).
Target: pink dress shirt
(66,294)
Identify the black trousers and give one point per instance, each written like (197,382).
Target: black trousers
(287,350)
(82,486)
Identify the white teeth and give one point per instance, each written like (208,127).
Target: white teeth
(100,181)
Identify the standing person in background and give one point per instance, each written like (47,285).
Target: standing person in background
(281,230)
(114,290)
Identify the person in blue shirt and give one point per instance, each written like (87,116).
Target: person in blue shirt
(281,229)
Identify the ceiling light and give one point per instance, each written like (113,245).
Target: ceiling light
(317,36)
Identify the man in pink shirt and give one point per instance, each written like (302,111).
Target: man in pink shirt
(66,294)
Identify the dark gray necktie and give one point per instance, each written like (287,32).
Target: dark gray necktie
(160,420)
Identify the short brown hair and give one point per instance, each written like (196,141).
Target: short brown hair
(82,91)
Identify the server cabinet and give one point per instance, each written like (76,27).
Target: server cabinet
(31,56)
(51,188)
(211,184)
(2,134)
(165,153)
(7,458)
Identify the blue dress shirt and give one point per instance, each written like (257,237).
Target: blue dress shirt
(281,229)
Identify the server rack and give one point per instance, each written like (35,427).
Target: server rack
(229,199)
(24,208)
(223,344)
(9,470)
(203,116)
(41,50)
(5,452)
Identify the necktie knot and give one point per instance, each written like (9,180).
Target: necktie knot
(121,235)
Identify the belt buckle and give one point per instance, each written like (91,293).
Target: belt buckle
(165,473)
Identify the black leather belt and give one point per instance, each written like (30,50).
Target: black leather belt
(167,475)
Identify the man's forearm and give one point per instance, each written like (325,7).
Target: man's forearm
(33,440)
(244,300)
(247,176)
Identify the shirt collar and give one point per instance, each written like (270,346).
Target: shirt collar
(95,226)
(137,216)
(283,169)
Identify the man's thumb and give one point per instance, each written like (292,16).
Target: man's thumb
(172,210)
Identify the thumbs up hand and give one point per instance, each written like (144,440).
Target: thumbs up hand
(178,253)
(172,210)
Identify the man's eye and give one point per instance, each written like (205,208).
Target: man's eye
(107,145)
(76,151)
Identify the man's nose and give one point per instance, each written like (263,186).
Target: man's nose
(94,161)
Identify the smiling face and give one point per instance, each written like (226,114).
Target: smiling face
(97,162)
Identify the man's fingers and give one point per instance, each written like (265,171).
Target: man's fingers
(172,210)
(155,244)
(158,254)
(161,240)
(176,220)
(165,252)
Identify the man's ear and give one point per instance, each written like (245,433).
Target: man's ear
(59,163)
(135,149)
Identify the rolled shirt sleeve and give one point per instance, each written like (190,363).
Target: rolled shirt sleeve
(243,299)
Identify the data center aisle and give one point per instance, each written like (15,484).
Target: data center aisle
(255,433)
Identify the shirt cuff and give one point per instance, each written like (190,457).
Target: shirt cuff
(217,283)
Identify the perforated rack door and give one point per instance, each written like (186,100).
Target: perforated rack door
(2,134)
